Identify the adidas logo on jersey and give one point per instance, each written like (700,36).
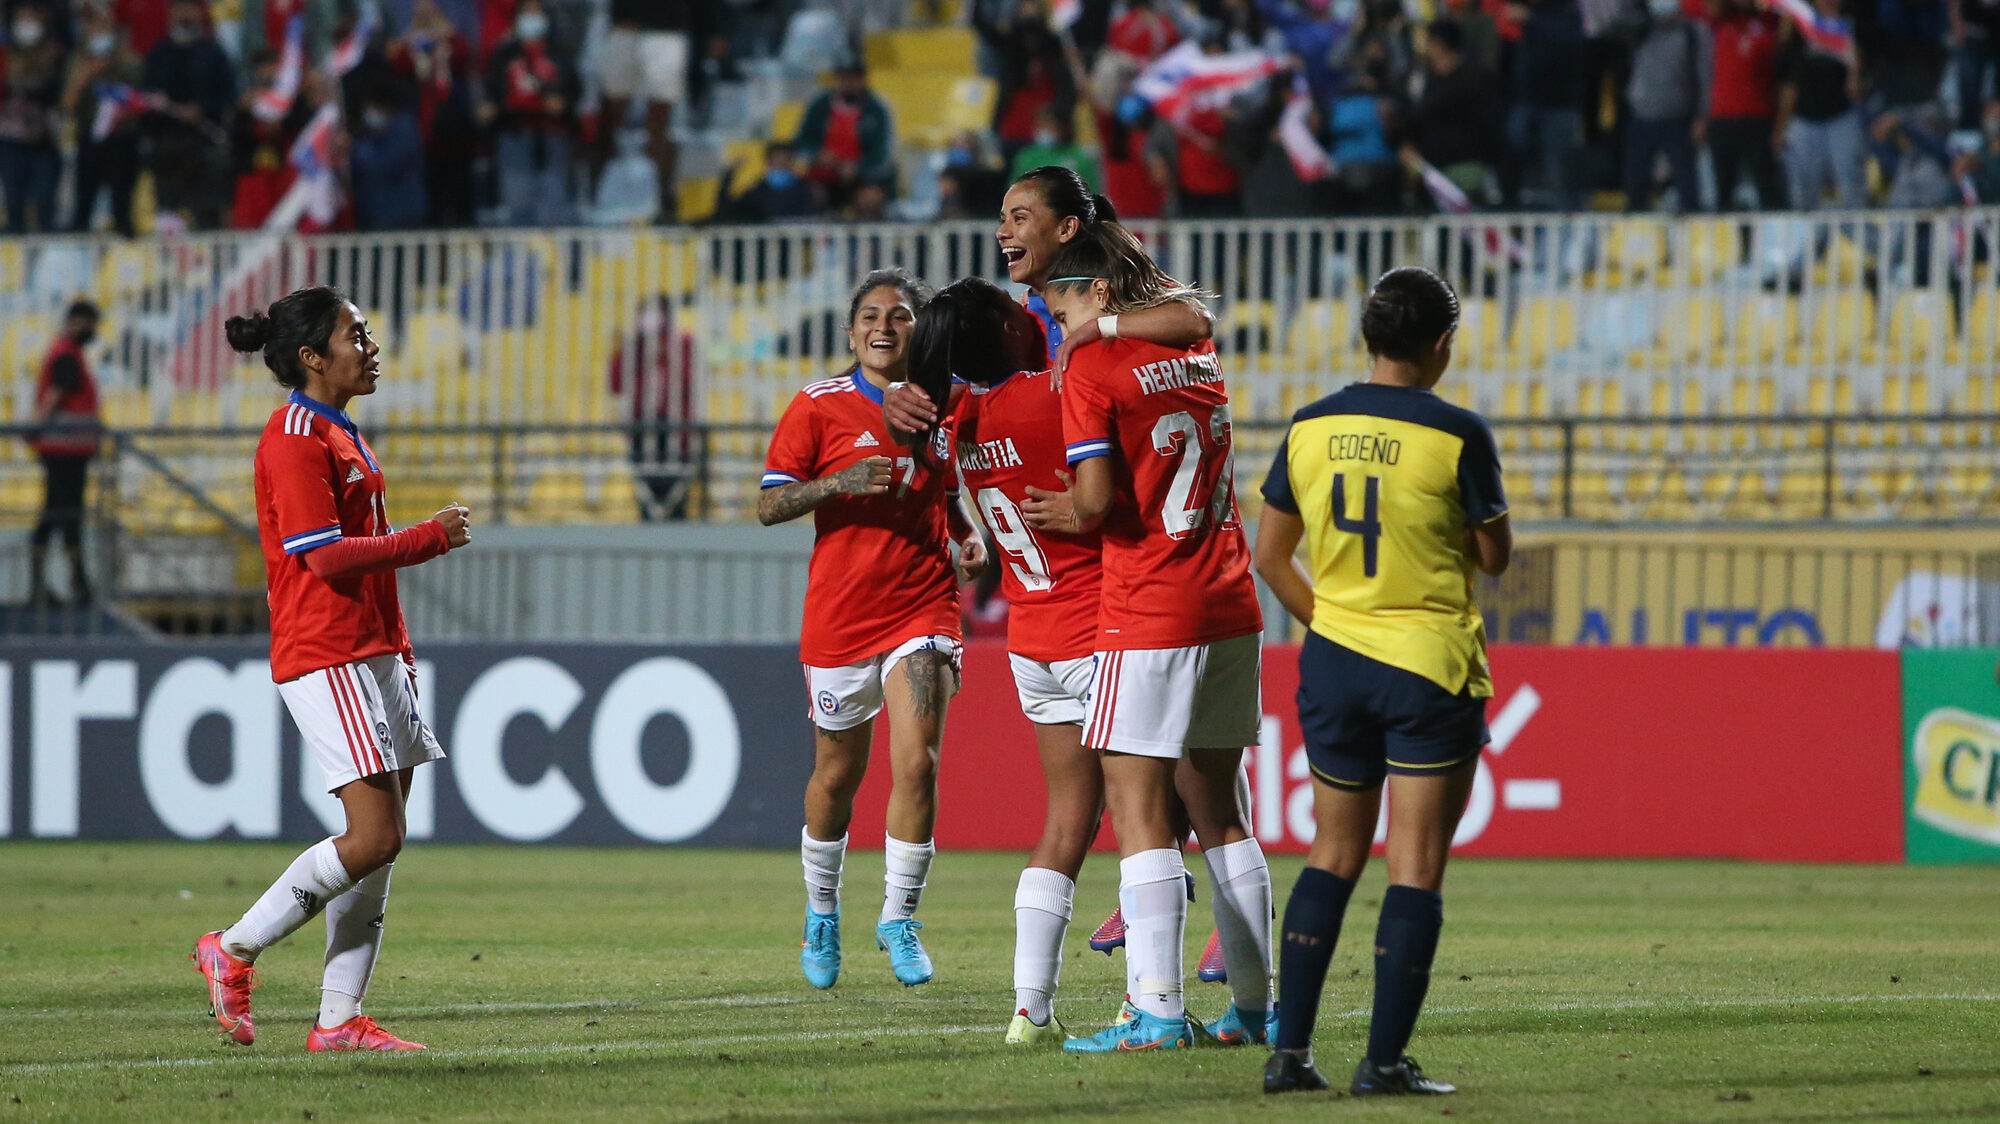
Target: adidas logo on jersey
(354,474)
(867,441)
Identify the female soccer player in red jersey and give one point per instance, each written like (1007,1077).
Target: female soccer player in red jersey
(1007,426)
(1045,210)
(1175,694)
(341,658)
(881,618)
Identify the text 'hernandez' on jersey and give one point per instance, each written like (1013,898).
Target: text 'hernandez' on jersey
(881,565)
(1176,567)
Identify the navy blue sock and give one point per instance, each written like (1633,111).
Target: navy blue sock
(1312,927)
(1406,941)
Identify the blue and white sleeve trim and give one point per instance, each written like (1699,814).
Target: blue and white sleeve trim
(307,540)
(1084,450)
(774,479)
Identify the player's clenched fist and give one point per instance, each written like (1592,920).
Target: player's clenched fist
(454,520)
(908,410)
(868,478)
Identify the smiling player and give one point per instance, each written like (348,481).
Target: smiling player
(341,657)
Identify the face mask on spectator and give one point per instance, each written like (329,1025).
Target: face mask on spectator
(102,44)
(958,156)
(1664,9)
(27,32)
(185,33)
(375,119)
(531,26)
(1046,137)
(781,178)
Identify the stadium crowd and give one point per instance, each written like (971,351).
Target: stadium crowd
(543,112)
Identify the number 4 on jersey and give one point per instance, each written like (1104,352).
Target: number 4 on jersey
(1369,526)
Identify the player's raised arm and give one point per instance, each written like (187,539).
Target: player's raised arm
(782,503)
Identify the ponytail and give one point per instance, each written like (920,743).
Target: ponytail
(301,321)
(1108,252)
(1065,193)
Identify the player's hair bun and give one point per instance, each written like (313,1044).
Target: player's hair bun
(1105,211)
(248,333)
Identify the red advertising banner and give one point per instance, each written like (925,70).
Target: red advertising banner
(1778,755)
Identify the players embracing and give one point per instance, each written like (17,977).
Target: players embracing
(1175,690)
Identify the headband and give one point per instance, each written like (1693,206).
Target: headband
(1059,280)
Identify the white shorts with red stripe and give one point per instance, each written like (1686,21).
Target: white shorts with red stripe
(361,718)
(1161,702)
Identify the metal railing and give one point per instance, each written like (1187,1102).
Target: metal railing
(1779,314)
(1860,468)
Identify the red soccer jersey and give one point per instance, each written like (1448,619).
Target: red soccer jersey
(1176,568)
(317,482)
(881,565)
(1009,437)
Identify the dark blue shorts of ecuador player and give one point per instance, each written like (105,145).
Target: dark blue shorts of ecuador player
(1363,718)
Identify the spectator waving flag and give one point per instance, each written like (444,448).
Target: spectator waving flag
(116,104)
(1452,200)
(312,157)
(1830,34)
(1309,159)
(1186,80)
(274,103)
(347,53)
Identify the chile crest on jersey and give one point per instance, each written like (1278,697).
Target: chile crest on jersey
(1010,437)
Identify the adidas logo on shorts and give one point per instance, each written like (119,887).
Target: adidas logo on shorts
(867,441)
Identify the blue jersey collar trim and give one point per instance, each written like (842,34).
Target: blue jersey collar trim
(339,418)
(868,389)
(1040,308)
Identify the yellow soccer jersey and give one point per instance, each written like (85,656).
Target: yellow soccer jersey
(1387,480)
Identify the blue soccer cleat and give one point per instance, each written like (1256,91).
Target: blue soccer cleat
(1141,1032)
(819,953)
(907,957)
(1233,1030)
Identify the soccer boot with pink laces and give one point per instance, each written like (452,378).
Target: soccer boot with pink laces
(229,984)
(357,1033)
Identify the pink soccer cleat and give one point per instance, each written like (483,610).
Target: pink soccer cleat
(1212,969)
(229,984)
(357,1033)
(1109,935)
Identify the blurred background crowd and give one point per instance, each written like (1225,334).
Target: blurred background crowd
(204,114)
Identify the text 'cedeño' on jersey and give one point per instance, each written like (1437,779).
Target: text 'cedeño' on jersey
(1388,480)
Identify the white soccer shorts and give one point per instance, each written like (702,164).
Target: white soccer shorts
(1053,691)
(361,718)
(1162,702)
(842,698)
(645,64)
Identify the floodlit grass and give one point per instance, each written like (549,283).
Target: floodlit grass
(663,984)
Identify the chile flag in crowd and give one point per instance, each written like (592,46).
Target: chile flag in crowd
(1186,80)
(1830,34)
(116,104)
(274,103)
(347,53)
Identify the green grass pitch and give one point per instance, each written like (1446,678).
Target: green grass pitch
(563,984)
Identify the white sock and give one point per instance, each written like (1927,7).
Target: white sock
(353,940)
(1152,890)
(313,880)
(822,862)
(1043,903)
(907,868)
(1242,899)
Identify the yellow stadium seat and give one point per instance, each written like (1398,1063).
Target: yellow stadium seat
(1635,249)
(696,197)
(1712,247)
(1765,328)
(785,122)
(1841,324)
(1320,334)
(1917,322)
(1982,327)
(1547,325)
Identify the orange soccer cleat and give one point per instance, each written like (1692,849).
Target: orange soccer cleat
(357,1033)
(229,984)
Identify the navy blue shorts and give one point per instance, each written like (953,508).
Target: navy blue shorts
(1364,719)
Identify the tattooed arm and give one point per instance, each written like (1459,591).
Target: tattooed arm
(787,502)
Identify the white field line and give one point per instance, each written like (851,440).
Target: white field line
(275,1013)
(682,1044)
